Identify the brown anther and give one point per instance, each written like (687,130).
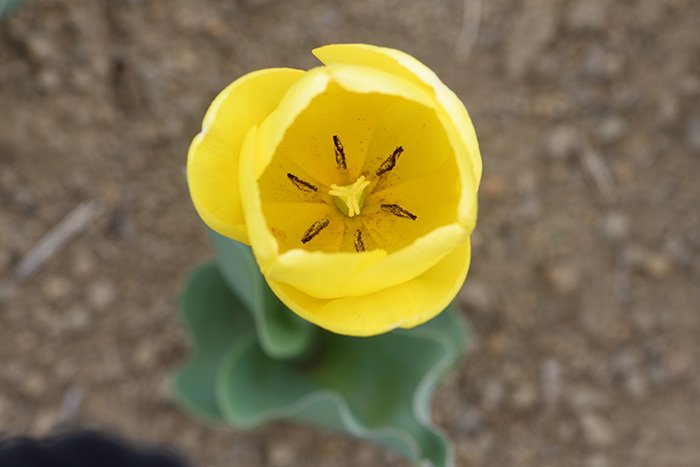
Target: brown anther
(303,185)
(398,211)
(339,153)
(389,164)
(314,230)
(359,243)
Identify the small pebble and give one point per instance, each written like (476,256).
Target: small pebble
(602,64)
(145,355)
(4,408)
(469,421)
(33,384)
(281,454)
(550,380)
(101,294)
(44,422)
(563,142)
(76,319)
(680,251)
(625,367)
(597,460)
(56,287)
(615,227)
(563,278)
(477,296)
(496,343)
(566,431)
(64,371)
(524,398)
(5,261)
(83,263)
(611,130)
(692,133)
(41,47)
(650,12)
(668,108)
(492,394)
(492,186)
(597,431)
(583,399)
(689,85)
(7,290)
(587,15)
(649,263)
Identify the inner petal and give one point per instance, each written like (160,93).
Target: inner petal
(283,180)
(408,143)
(397,144)
(397,215)
(310,226)
(349,117)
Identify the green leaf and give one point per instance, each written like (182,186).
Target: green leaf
(282,334)
(215,320)
(7,6)
(377,388)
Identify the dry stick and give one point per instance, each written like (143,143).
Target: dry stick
(550,376)
(56,238)
(468,33)
(72,400)
(595,166)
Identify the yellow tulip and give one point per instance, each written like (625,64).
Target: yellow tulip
(355,183)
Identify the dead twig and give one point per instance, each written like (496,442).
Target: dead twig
(598,171)
(70,406)
(550,376)
(471,17)
(56,238)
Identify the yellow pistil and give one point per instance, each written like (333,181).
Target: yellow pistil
(350,198)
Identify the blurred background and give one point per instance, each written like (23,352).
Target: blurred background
(584,293)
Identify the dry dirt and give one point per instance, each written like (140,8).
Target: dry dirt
(584,292)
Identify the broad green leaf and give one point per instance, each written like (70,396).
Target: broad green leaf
(282,334)
(215,320)
(377,388)
(6,6)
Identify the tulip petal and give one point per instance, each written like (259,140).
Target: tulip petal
(292,221)
(212,161)
(423,142)
(334,275)
(315,273)
(432,199)
(406,66)
(344,101)
(405,305)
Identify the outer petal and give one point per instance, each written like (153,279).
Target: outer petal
(332,275)
(405,305)
(404,65)
(213,158)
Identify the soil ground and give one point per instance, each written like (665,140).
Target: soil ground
(584,293)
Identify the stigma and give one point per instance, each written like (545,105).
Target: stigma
(349,199)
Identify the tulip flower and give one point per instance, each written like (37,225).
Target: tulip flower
(355,183)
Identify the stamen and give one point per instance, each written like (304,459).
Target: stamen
(339,153)
(301,184)
(398,211)
(359,243)
(314,230)
(389,164)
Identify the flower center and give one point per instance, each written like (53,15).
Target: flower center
(349,199)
